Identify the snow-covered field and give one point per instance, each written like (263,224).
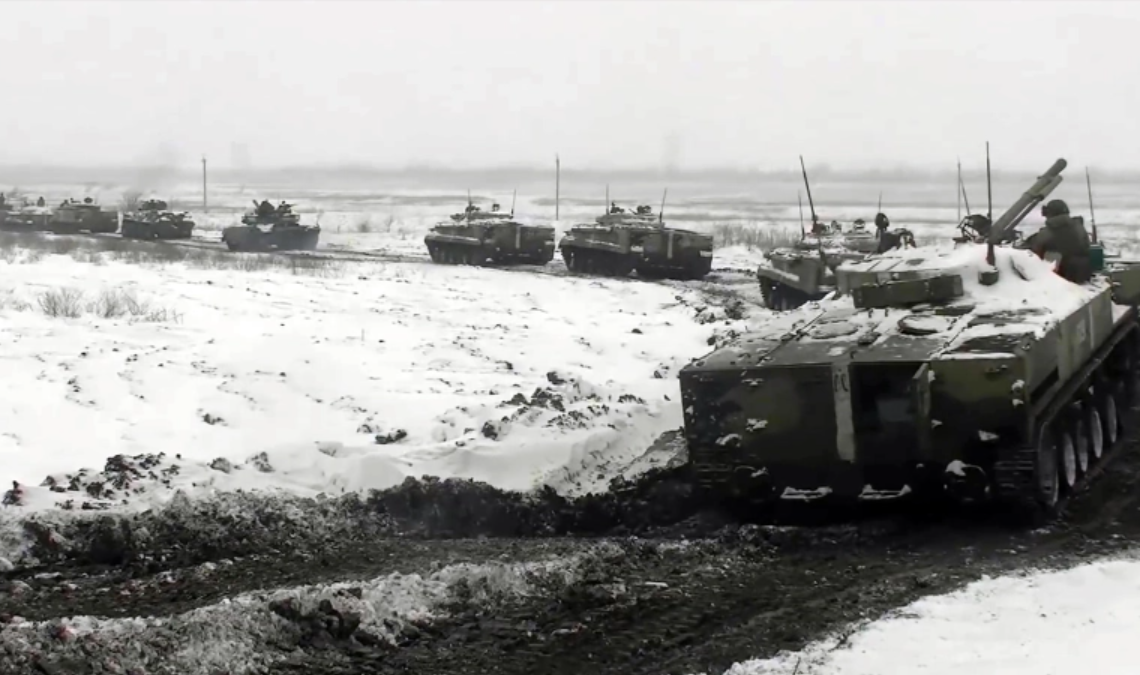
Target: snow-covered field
(1040,623)
(343,377)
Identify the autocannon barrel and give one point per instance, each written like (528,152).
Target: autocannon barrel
(1045,184)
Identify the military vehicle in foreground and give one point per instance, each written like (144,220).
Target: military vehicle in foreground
(72,217)
(154,220)
(973,370)
(285,231)
(792,276)
(477,237)
(618,243)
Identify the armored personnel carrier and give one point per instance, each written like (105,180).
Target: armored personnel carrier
(476,237)
(24,218)
(793,276)
(285,233)
(72,217)
(974,370)
(618,243)
(154,220)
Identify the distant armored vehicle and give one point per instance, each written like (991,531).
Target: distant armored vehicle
(618,243)
(792,276)
(285,233)
(153,220)
(6,207)
(974,371)
(24,218)
(72,217)
(476,237)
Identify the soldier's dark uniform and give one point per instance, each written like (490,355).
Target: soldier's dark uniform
(1067,236)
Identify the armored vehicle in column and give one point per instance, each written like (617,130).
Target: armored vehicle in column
(975,371)
(154,220)
(24,218)
(618,243)
(792,276)
(285,231)
(72,217)
(477,237)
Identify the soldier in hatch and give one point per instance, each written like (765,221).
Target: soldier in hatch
(882,224)
(1066,236)
(40,201)
(265,209)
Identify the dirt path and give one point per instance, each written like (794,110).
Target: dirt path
(665,603)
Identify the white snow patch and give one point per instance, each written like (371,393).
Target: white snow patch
(756,425)
(1011,625)
(440,363)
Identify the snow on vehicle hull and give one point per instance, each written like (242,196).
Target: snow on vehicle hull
(1011,390)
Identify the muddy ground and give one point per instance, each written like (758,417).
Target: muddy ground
(660,585)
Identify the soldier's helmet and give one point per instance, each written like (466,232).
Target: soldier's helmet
(1056,207)
(881,221)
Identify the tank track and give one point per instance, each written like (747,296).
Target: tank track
(1015,470)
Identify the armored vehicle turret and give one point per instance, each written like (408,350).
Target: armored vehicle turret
(974,370)
(618,243)
(793,275)
(285,231)
(72,217)
(154,220)
(477,237)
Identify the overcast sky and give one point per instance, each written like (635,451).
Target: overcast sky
(603,83)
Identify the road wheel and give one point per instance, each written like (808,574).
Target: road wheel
(1080,444)
(1068,460)
(1047,483)
(1094,432)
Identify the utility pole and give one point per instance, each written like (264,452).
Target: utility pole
(557,185)
(205,203)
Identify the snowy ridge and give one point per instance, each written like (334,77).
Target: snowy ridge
(249,632)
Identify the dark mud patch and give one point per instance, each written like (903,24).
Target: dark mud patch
(189,532)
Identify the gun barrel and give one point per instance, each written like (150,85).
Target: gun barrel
(1041,189)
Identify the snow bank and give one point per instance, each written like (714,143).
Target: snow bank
(252,631)
(1049,622)
(350,380)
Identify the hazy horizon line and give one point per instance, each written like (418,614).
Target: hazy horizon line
(897,173)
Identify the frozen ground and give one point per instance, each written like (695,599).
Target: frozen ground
(343,377)
(1078,620)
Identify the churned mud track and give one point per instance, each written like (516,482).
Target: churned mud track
(663,604)
(754,591)
(154,589)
